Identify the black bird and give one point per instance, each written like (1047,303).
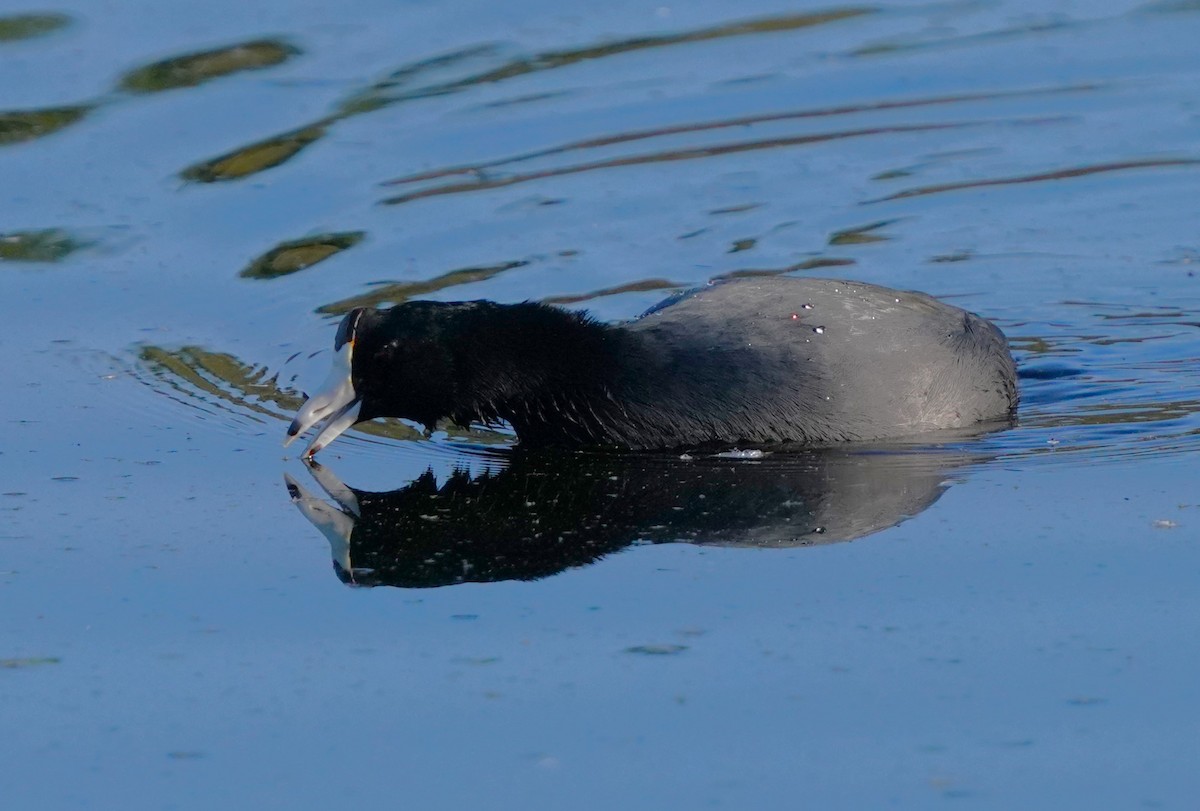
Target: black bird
(757,361)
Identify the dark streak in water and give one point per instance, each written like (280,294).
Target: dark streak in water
(740,121)
(1171,6)
(807,264)
(182,71)
(981,38)
(692,153)
(1058,174)
(862,235)
(29,661)
(398,292)
(717,212)
(1119,414)
(377,96)
(382,94)
(945,258)
(657,650)
(643,286)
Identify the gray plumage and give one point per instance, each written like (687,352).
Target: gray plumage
(754,361)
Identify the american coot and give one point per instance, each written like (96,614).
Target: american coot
(760,361)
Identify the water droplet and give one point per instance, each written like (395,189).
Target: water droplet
(819,330)
(753,453)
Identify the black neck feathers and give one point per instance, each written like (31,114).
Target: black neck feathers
(552,374)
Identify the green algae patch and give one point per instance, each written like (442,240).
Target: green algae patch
(254,158)
(45,245)
(297,254)
(222,376)
(222,380)
(26,125)
(26,26)
(197,68)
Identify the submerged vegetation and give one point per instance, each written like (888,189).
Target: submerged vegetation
(197,68)
(26,125)
(297,254)
(26,26)
(46,245)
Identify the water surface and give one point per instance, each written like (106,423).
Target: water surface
(191,197)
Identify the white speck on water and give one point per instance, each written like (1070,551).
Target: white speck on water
(737,454)
(683,457)
(1164,523)
(1052,442)
(819,330)
(807,307)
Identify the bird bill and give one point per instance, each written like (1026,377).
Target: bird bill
(337,404)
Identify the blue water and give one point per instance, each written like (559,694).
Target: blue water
(1008,621)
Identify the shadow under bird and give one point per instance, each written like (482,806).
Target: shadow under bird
(545,512)
(755,361)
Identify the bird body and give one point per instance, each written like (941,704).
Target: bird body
(754,361)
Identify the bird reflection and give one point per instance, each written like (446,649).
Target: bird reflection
(547,512)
